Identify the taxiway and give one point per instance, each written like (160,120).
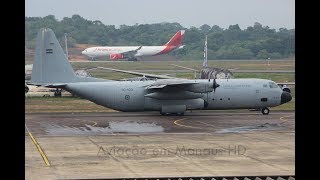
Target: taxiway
(121,145)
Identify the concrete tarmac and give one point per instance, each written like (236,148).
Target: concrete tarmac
(123,145)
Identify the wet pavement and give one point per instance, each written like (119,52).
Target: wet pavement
(141,123)
(123,145)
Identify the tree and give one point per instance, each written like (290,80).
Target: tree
(216,29)
(205,29)
(263,54)
(255,41)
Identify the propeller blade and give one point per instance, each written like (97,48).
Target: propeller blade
(215,85)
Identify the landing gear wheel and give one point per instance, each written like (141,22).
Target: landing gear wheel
(26,89)
(265,111)
(57,93)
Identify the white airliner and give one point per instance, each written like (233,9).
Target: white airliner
(132,52)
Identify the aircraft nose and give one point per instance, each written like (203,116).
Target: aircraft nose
(285,97)
(84,52)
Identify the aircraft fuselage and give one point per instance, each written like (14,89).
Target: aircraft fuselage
(104,51)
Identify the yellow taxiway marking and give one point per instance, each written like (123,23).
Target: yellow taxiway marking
(206,123)
(176,123)
(94,123)
(285,120)
(44,157)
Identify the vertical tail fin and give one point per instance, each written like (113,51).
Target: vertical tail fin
(176,40)
(50,63)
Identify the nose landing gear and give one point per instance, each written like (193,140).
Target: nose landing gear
(265,111)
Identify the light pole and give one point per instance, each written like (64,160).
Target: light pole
(267,65)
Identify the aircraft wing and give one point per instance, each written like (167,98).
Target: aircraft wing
(54,85)
(130,54)
(159,84)
(138,73)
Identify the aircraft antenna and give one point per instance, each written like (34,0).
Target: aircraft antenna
(205,54)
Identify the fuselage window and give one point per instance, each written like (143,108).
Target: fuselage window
(265,85)
(273,85)
(264,99)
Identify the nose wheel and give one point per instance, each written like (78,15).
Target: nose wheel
(265,111)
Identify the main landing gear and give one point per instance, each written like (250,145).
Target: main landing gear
(172,114)
(57,92)
(265,111)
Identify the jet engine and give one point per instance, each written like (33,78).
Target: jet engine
(116,56)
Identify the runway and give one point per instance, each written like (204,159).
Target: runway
(120,145)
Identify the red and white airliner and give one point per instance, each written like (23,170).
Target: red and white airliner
(132,52)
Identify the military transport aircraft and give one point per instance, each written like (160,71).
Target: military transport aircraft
(52,69)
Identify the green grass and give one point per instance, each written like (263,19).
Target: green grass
(166,65)
(290,77)
(61,104)
(196,64)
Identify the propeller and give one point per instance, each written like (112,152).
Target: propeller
(215,85)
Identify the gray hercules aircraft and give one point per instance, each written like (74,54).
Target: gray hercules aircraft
(169,96)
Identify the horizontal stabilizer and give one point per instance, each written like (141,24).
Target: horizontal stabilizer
(55,85)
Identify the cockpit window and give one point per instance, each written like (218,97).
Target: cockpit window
(273,85)
(265,85)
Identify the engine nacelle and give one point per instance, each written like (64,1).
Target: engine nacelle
(116,56)
(174,105)
(174,96)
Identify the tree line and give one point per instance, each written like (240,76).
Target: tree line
(254,42)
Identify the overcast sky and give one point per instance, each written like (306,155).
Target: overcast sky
(272,13)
